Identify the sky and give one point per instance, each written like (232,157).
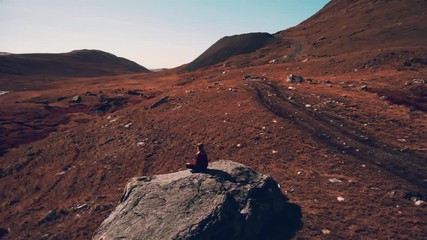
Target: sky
(153,33)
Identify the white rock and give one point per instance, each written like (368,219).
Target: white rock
(340,199)
(3,92)
(335,180)
(326,231)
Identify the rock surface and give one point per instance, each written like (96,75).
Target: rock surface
(228,201)
(295,79)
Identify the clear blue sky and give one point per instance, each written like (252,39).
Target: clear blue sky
(153,33)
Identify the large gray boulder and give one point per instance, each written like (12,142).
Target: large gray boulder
(228,201)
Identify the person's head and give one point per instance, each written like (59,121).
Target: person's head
(200,147)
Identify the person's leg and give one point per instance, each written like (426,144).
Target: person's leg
(190,166)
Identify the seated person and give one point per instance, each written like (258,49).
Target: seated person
(201,163)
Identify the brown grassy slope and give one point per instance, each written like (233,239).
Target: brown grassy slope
(304,135)
(385,30)
(79,63)
(230,46)
(89,159)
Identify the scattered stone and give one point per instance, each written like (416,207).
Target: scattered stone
(76,99)
(160,102)
(295,79)
(239,145)
(113,120)
(340,199)
(140,144)
(401,140)
(274,151)
(364,87)
(306,60)
(321,38)
(419,202)
(189,91)
(291,88)
(416,80)
(81,206)
(61,173)
(228,201)
(335,180)
(127,125)
(326,231)
(274,61)
(3,92)
(419,81)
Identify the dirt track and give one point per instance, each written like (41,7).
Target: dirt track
(340,135)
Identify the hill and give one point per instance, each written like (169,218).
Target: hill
(78,63)
(382,32)
(230,46)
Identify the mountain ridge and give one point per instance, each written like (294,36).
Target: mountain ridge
(77,63)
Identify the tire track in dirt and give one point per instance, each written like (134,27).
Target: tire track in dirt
(340,135)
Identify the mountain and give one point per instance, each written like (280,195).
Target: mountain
(380,29)
(344,26)
(78,63)
(230,46)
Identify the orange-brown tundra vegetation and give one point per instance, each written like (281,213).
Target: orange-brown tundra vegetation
(348,144)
